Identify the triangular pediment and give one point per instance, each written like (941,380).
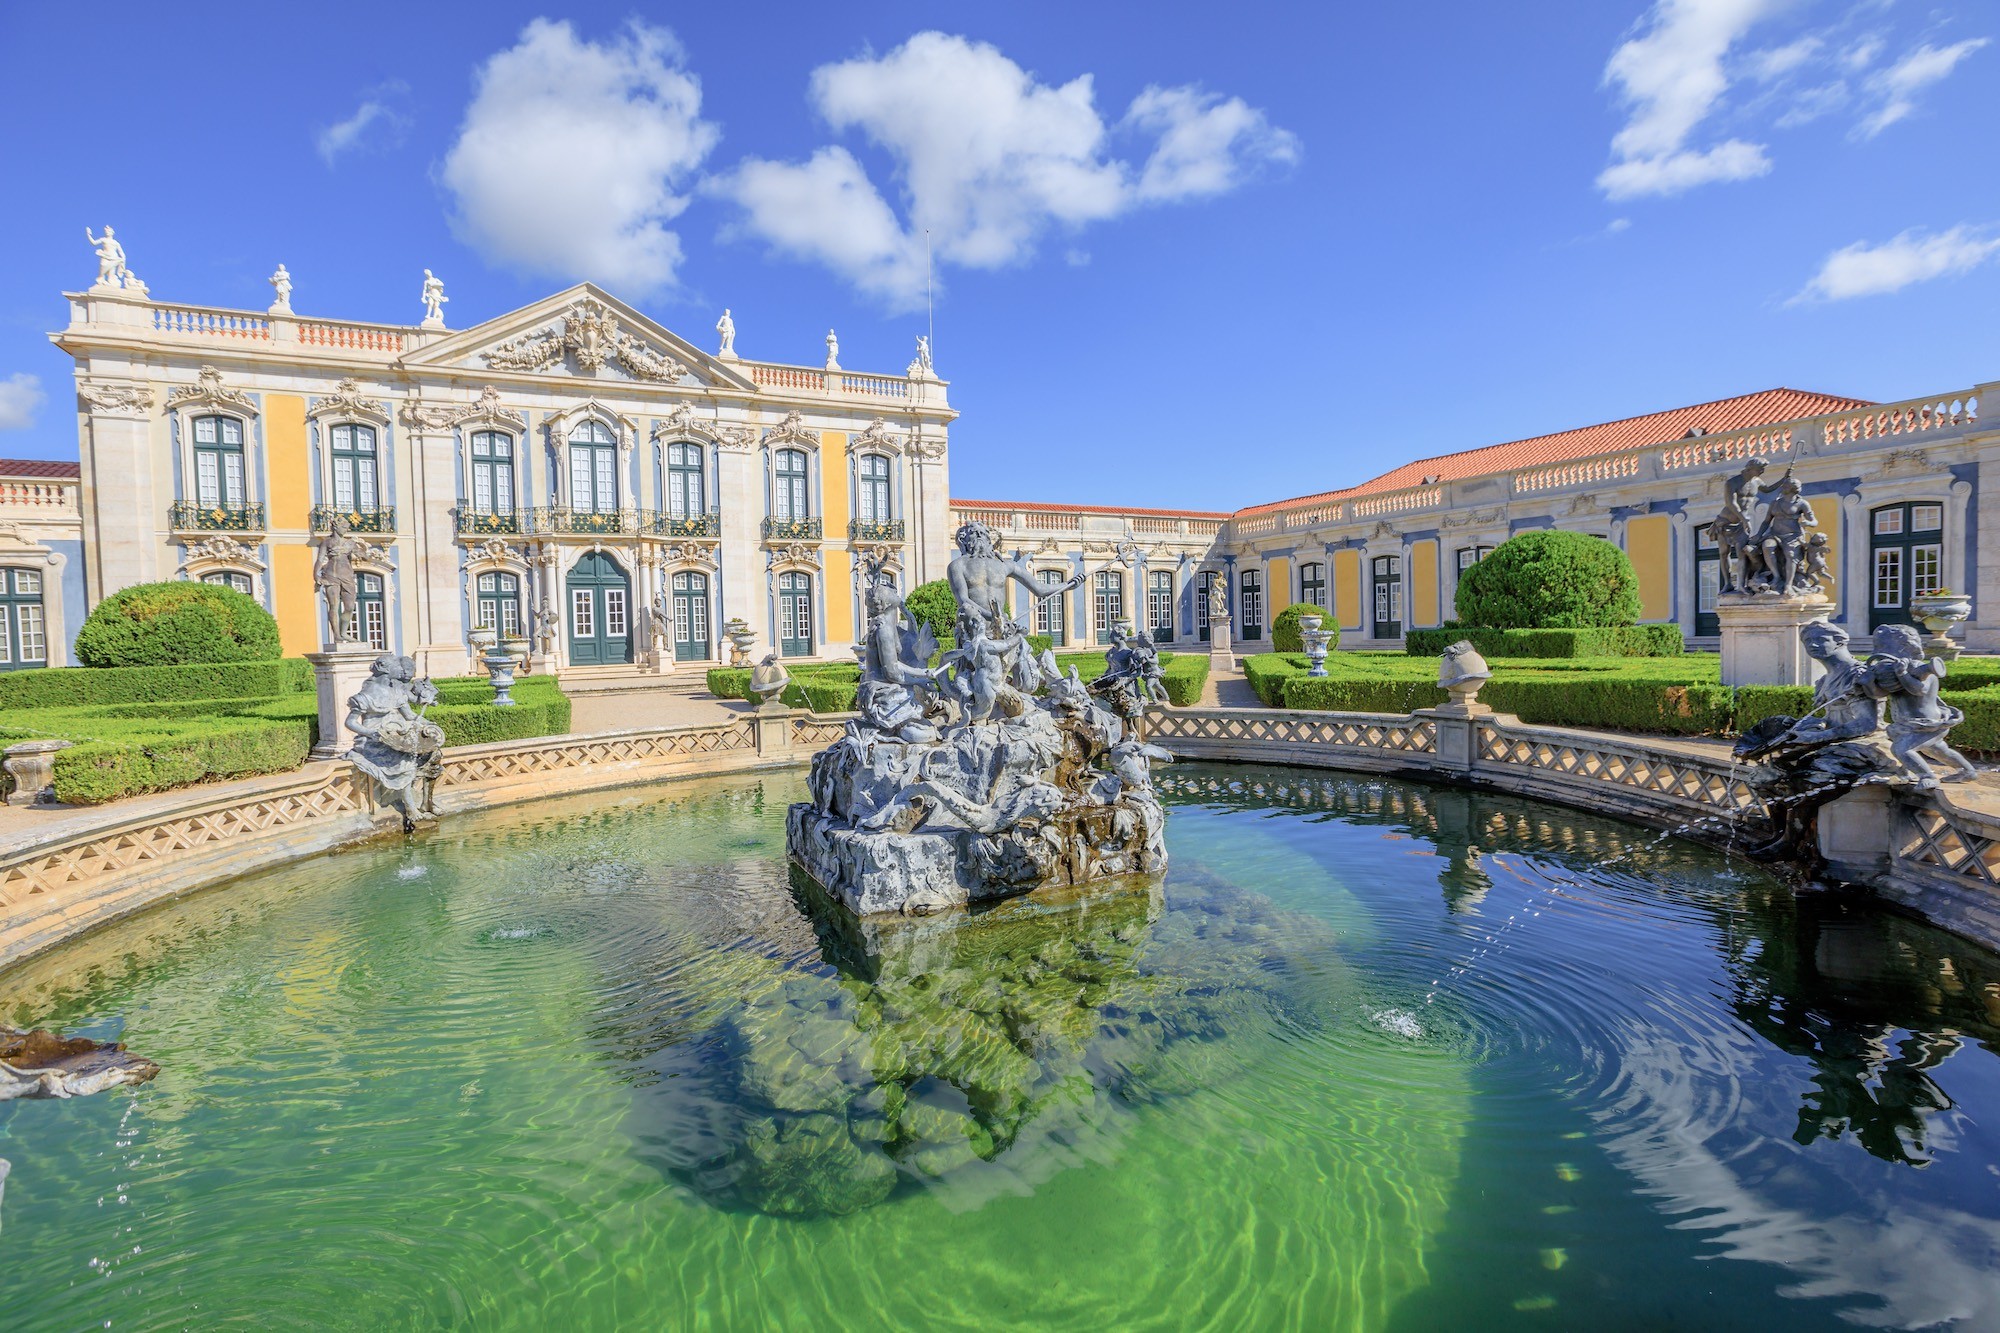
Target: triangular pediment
(581,333)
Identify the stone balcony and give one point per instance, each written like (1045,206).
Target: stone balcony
(478,523)
(378,520)
(187,516)
(887,531)
(792,530)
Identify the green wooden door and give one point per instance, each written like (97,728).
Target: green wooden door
(1905,559)
(690,617)
(600,612)
(1707,582)
(1388,580)
(795,635)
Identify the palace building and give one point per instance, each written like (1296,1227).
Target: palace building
(570,473)
(575,475)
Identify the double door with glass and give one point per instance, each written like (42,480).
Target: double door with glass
(690,610)
(600,612)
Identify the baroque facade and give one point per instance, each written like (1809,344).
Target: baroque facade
(571,474)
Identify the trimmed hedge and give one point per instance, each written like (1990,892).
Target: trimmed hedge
(69,687)
(1285,636)
(166,624)
(832,687)
(933,602)
(1550,580)
(95,771)
(1601,641)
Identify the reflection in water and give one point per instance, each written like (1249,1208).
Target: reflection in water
(966,1053)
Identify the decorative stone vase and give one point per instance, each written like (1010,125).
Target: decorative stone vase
(481,640)
(768,681)
(517,647)
(500,663)
(32,766)
(1315,640)
(1938,612)
(741,639)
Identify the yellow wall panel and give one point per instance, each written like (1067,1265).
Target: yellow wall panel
(1649,542)
(286,465)
(1826,508)
(293,599)
(1424,612)
(1347,589)
(840,609)
(1280,592)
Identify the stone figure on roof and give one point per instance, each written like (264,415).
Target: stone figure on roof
(832,351)
(921,367)
(111,270)
(281,281)
(434,299)
(725,328)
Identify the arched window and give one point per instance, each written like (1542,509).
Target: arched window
(593,469)
(1312,584)
(1160,605)
(872,498)
(356,480)
(686,495)
(24,636)
(218,463)
(492,472)
(1251,612)
(1107,602)
(228,578)
(788,486)
(499,604)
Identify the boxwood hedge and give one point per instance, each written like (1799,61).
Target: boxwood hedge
(1604,641)
(67,687)
(831,687)
(162,624)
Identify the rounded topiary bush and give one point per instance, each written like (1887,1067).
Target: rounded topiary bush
(1550,580)
(171,624)
(1285,636)
(933,604)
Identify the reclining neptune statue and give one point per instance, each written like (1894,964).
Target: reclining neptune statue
(988,773)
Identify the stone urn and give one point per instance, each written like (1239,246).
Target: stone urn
(1315,640)
(1461,673)
(32,766)
(768,680)
(1938,612)
(500,661)
(741,639)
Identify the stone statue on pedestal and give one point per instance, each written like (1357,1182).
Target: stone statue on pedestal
(111,270)
(921,368)
(396,747)
(725,328)
(335,578)
(281,282)
(434,300)
(1777,556)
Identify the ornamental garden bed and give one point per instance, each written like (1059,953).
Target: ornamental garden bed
(146,729)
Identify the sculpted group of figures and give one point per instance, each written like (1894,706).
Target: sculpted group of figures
(1778,555)
(1844,742)
(992,772)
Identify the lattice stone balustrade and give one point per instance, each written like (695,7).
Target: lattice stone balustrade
(1703,784)
(1251,726)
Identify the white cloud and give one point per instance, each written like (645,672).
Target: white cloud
(988,159)
(1672,75)
(377,114)
(1862,269)
(20,395)
(1897,86)
(573,155)
(1777,62)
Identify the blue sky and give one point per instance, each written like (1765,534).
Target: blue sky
(1185,256)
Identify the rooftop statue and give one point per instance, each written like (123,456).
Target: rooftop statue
(434,300)
(397,748)
(921,367)
(726,329)
(832,351)
(1777,556)
(281,282)
(111,270)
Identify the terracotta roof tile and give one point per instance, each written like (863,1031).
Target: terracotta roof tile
(1725,414)
(38,467)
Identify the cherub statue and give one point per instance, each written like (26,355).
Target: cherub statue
(1919,720)
(1815,571)
(1132,678)
(981,664)
(396,746)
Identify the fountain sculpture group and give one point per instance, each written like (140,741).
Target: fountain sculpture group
(990,773)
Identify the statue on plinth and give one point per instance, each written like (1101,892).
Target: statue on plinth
(335,578)
(980,777)
(396,747)
(1777,556)
(832,351)
(921,368)
(725,328)
(281,282)
(111,270)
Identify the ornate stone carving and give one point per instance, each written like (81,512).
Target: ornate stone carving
(223,550)
(735,439)
(681,421)
(877,435)
(798,553)
(42,1064)
(487,411)
(493,551)
(792,430)
(689,553)
(346,401)
(207,391)
(115,396)
(590,336)
(1904,463)
(429,416)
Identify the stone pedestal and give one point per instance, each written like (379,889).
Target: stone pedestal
(1857,834)
(1760,639)
(338,675)
(1221,659)
(32,765)
(773,722)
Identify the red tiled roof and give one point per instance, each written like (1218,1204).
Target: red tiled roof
(957,503)
(39,467)
(1725,414)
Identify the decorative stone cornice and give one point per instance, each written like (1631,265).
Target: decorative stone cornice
(116,397)
(682,422)
(563,422)
(346,401)
(792,430)
(797,554)
(488,412)
(207,391)
(878,436)
(221,552)
(701,554)
(431,417)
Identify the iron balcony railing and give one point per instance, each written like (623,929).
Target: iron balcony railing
(186,516)
(791,530)
(560,521)
(475,523)
(380,519)
(692,525)
(888,530)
